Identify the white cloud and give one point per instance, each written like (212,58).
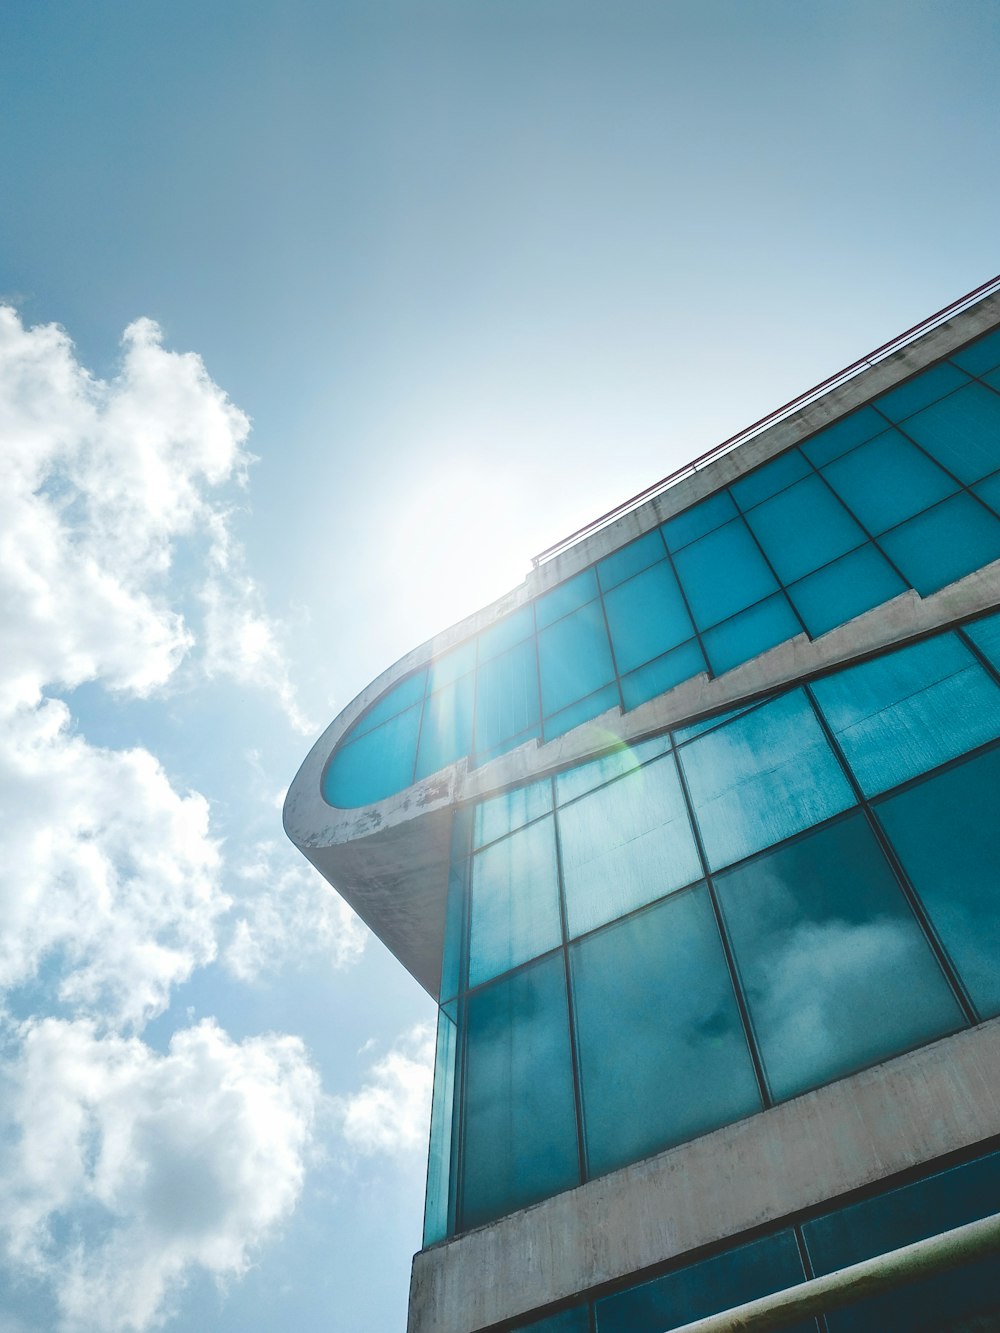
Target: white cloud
(287,914)
(156,1164)
(391,1112)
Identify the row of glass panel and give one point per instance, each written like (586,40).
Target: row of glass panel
(903,493)
(666,939)
(965,1299)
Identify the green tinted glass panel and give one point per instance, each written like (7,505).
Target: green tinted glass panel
(646,616)
(761,778)
(887,481)
(723,573)
(662,674)
(917,393)
(803,528)
(836,973)
(506,696)
(574,658)
(948,542)
(906,712)
(514,912)
(520,1142)
(946,832)
(375,765)
(845,589)
(624,845)
(662,1052)
(962,432)
(750,633)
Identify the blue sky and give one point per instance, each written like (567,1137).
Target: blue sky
(420,287)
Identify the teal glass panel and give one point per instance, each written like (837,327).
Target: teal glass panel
(843,436)
(565,597)
(946,832)
(511,810)
(511,743)
(582,711)
(944,544)
(514,908)
(447,668)
(624,845)
(682,734)
(663,673)
(803,528)
(966,1300)
(993,380)
(446,729)
(985,634)
(623,759)
(836,973)
(520,1141)
(980,356)
(762,777)
(662,1052)
(844,589)
(709,1287)
(887,481)
(506,633)
(576,1320)
(454,929)
(962,432)
(376,765)
(574,658)
(923,389)
(646,616)
(750,633)
(507,696)
(631,559)
(768,480)
(906,712)
(409,691)
(698,520)
(440,1154)
(989,492)
(723,573)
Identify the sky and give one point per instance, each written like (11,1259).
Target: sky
(319,319)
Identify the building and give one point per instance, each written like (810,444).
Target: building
(695,837)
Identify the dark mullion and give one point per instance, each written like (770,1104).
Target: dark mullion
(978,654)
(774,574)
(927,454)
(889,852)
(581,1141)
(808,1270)
(611,642)
(758,1068)
(977,379)
(687,607)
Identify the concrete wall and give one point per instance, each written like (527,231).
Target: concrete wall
(853,1133)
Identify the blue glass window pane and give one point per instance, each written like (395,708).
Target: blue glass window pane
(446,729)
(985,634)
(663,674)
(723,573)
(511,810)
(839,592)
(565,597)
(507,696)
(582,711)
(762,777)
(750,633)
(945,544)
(906,712)
(989,491)
(624,759)
(834,968)
(887,481)
(507,632)
(770,479)
(843,436)
(439,1157)
(574,658)
(402,696)
(376,765)
(646,616)
(624,845)
(447,668)
(454,928)
(993,380)
(918,392)
(576,1320)
(980,356)
(699,519)
(638,555)
(511,743)
(950,1301)
(962,432)
(803,528)
(682,734)
(520,1142)
(662,1052)
(514,910)
(705,1288)
(946,832)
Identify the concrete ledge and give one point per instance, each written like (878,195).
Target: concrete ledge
(862,1129)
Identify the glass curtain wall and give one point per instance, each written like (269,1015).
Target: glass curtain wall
(679,934)
(903,493)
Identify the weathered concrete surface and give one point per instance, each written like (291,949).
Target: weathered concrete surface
(853,1133)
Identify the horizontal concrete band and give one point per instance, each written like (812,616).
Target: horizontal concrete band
(940,1099)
